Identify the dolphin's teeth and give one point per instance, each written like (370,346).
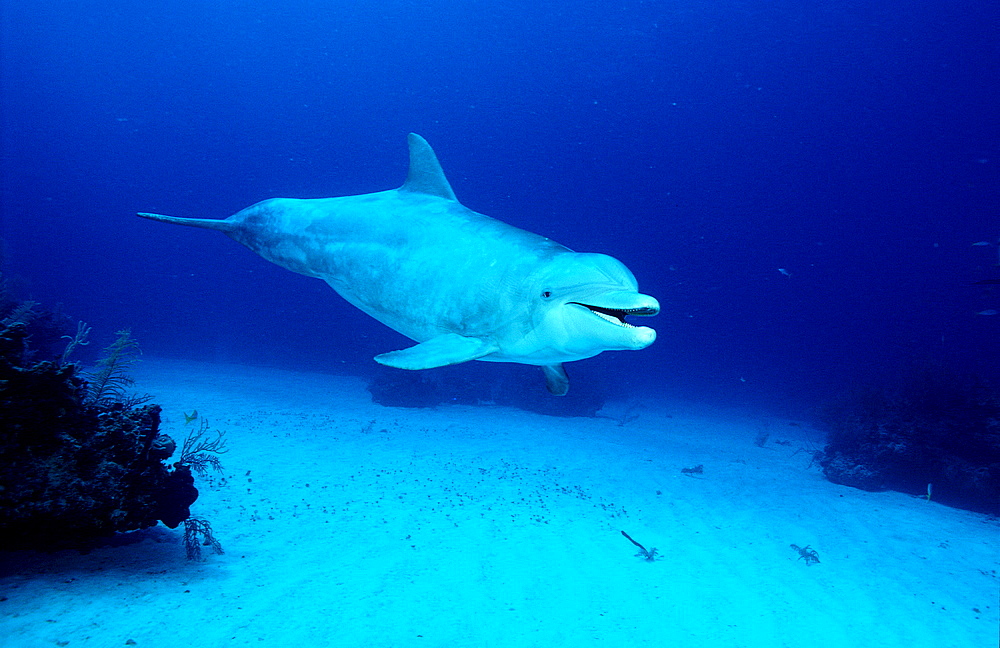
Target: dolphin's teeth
(611,318)
(618,315)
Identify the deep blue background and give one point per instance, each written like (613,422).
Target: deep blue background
(705,144)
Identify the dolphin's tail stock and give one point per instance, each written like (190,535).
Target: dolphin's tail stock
(204,223)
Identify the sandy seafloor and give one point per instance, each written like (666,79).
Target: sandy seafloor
(346,523)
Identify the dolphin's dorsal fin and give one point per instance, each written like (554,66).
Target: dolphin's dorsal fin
(425,175)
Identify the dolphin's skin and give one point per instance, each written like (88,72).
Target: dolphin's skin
(463,285)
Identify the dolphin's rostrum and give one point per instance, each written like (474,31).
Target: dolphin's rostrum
(463,285)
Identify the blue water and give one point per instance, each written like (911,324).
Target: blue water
(709,146)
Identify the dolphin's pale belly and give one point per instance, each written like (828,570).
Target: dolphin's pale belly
(419,264)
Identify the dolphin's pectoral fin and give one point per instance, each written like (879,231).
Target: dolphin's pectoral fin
(447,349)
(556,379)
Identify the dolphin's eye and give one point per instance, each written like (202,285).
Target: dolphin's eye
(546,294)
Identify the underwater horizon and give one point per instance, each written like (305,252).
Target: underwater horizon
(809,191)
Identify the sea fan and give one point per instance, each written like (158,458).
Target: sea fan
(21,313)
(201,453)
(110,381)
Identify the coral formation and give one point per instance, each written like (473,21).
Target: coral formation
(198,534)
(78,461)
(199,452)
(807,554)
(649,555)
(110,381)
(935,427)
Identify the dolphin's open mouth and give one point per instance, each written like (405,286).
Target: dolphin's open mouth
(617,315)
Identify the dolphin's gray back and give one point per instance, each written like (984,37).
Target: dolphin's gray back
(414,258)
(418,263)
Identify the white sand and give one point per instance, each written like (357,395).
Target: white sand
(349,524)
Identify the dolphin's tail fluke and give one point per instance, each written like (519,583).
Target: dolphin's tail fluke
(204,223)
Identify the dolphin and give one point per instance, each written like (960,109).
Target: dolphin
(463,285)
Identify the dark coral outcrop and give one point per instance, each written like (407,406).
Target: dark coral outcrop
(935,427)
(74,470)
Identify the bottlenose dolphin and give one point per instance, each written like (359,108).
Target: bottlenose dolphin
(463,285)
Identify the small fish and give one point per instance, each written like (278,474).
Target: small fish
(988,311)
(785,272)
(980,243)
(190,417)
(986,282)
